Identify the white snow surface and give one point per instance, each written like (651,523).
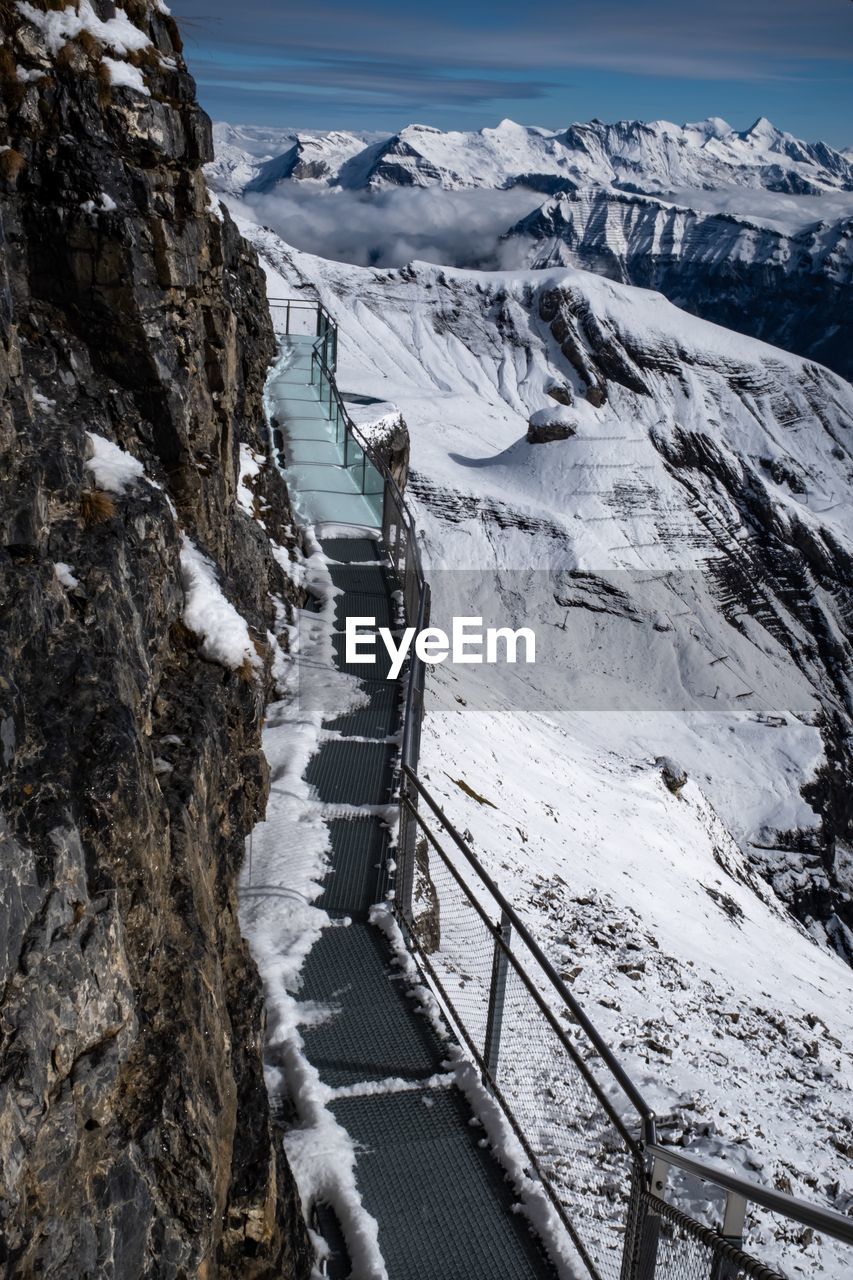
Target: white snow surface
(114,468)
(58,26)
(123,75)
(245,152)
(738,1022)
(700,229)
(658,154)
(103,204)
(696,194)
(376,422)
(65,575)
(211,615)
(250,466)
(552,413)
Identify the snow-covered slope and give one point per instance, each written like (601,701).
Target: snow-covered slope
(685,559)
(657,155)
(743,272)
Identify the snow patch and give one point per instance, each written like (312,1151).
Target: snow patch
(214,206)
(208,614)
(553,413)
(103,204)
(61,25)
(113,467)
(65,574)
(125,76)
(534,1203)
(250,466)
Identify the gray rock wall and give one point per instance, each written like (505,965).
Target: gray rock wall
(135,1136)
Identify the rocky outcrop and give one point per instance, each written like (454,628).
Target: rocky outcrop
(554,423)
(392,444)
(135,1135)
(382,425)
(790,289)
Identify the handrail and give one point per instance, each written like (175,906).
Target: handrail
(828,1221)
(513,959)
(375,458)
(831,1223)
(416,668)
(616,1069)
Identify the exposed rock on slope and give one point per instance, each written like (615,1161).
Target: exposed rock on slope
(792,290)
(135,1137)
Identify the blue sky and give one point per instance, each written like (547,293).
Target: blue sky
(381,65)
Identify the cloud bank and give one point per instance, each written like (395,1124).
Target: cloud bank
(390,228)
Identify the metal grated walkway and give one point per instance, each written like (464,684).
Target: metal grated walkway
(441,1201)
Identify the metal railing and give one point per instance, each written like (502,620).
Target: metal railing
(513,1012)
(309,318)
(584,1130)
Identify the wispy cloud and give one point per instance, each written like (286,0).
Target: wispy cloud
(374,81)
(478,58)
(728,39)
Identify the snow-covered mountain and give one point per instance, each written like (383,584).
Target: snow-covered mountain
(257,158)
(654,156)
(685,556)
(750,229)
(791,288)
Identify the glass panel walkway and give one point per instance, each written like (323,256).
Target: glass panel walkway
(443,1205)
(326,474)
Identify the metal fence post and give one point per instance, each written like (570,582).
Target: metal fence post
(639,1260)
(405,875)
(497,996)
(732,1232)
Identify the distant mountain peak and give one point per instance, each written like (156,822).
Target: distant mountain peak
(713,126)
(762,128)
(641,156)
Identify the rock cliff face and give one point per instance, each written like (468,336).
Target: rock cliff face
(789,290)
(135,1136)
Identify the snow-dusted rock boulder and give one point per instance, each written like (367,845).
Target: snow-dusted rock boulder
(672,773)
(555,422)
(559,391)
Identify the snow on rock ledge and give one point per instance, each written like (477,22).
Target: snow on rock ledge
(224,633)
(113,467)
(59,26)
